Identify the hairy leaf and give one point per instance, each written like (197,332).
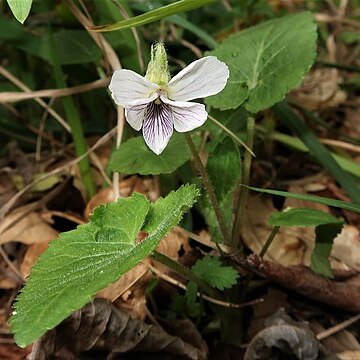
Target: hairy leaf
(83,261)
(266,61)
(211,270)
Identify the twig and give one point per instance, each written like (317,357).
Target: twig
(41,131)
(12,96)
(180,285)
(231,134)
(11,265)
(334,329)
(10,203)
(42,103)
(184,271)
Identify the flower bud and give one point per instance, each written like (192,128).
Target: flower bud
(157,71)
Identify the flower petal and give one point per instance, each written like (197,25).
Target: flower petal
(127,87)
(201,78)
(135,115)
(187,116)
(157,126)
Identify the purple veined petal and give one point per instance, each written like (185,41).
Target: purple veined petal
(157,126)
(135,112)
(187,116)
(126,86)
(204,77)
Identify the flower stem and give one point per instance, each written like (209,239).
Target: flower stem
(240,201)
(268,242)
(209,188)
(186,272)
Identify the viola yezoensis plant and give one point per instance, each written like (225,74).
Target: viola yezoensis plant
(263,63)
(158,104)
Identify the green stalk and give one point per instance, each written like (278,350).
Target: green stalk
(187,273)
(269,241)
(74,121)
(209,188)
(240,201)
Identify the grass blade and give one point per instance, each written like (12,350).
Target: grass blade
(154,15)
(289,118)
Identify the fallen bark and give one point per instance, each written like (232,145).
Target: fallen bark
(342,292)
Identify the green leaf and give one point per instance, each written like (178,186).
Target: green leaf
(266,61)
(200,33)
(83,261)
(327,227)
(301,217)
(315,199)
(134,157)
(224,169)
(289,118)
(20,9)
(73,47)
(154,15)
(325,235)
(211,270)
(347,164)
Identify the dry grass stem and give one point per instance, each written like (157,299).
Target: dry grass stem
(41,102)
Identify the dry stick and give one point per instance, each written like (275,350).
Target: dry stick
(5,209)
(22,86)
(125,14)
(208,187)
(119,133)
(334,329)
(184,271)
(185,43)
(180,285)
(12,96)
(11,265)
(231,134)
(115,64)
(341,144)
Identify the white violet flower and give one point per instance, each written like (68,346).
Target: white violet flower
(158,105)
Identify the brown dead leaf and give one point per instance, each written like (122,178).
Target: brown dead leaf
(99,326)
(31,256)
(351,125)
(13,352)
(346,249)
(129,291)
(320,90)
(349,355)
(293,245)
(28,228)
(147,187)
